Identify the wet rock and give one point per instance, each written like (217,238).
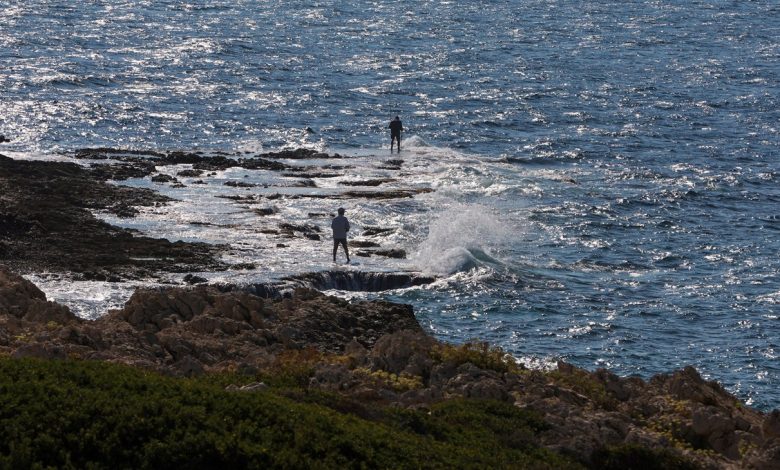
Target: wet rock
(243,267)
(48,225)
(299,154)
(391,165)
(308,231)
(389,194)
(309,174)
(125,211)
(163,178)
(362,244)
(193,279)
(303,183)
(239,184)
(190,173)
(265,211)
(372,231)
(121,171)
(360,281)
(391,253)
(372,182)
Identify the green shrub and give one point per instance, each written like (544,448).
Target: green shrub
(632,456)
(481,354)
(293,368)
(583,383)
(82,414)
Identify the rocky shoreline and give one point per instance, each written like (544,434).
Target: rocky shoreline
(46,224)
(374,353)
(378,355)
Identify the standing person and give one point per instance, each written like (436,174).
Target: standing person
(340,226)
(395,132)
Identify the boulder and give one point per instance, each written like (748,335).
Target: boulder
(403,351)
(22,299)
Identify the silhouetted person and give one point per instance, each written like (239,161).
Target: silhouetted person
(395,132)
(340,226)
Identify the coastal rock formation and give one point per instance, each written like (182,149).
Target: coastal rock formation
(360,281)
(376,352)
(207,328)
(373,353)
(21,299)
(46,224)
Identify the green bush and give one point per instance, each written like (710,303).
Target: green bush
(82,414)
(480,354)
(634,457)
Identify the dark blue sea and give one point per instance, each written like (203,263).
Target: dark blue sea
(606,174)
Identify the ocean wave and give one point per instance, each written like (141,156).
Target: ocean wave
(460,240)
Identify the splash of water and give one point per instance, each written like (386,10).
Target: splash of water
(461,240)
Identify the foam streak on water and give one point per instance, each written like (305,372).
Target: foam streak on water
(605,174)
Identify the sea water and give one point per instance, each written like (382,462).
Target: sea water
(605,175)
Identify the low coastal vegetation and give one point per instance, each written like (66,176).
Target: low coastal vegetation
(87,414)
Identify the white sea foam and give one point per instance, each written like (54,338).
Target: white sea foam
(460,240)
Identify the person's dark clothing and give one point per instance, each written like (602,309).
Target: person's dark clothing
(340,226)
(395,132)
(396,127)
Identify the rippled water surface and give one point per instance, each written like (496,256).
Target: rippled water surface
(606,173)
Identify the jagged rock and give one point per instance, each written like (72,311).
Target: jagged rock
(717,429)
(40,351)
(398,352)
(392,253)
(22,299)
(687,384)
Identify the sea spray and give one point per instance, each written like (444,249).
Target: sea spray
(460,240)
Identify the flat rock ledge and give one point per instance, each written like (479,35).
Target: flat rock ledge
(376,352)
(47,225)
